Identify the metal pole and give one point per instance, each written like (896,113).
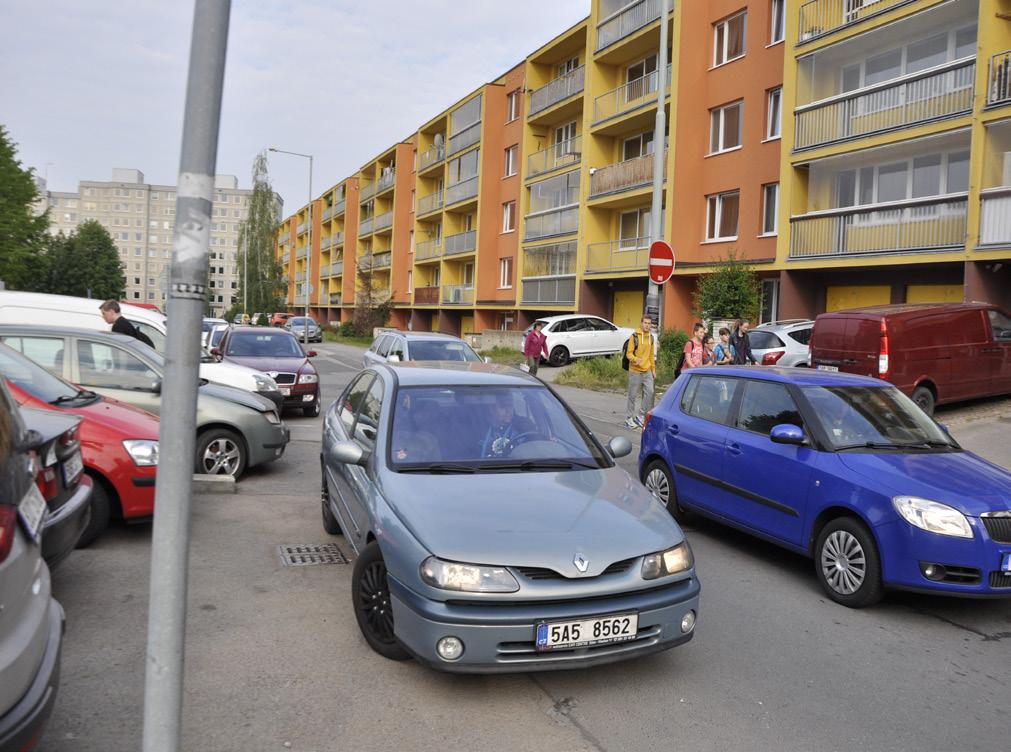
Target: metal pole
(245,267)
(659,147)
(163,688)
(308,259)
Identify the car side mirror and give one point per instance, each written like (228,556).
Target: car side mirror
(619,446)
(348,453)
(393,358)
(311,354)
(787,433)
(155,386)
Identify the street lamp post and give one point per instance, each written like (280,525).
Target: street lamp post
(308,251)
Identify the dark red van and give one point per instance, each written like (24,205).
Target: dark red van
(933,352)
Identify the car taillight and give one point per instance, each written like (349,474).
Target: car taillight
(8,523)
(647,419)
(771,358)
(48,482)
(883,351)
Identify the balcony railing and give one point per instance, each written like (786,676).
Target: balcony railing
(819,17)
(561,154)
(366,191)
(638,92)
(467,137)
(382,221)
(995,216)
(998,90)
(301,252)
(327,213)
(554,222)
(627,21)
(430,203)
(301,228)
(458,295)
(324,243)
(938,92)
(335,298)
(365,226)
(463,242)
(461,191)
(299,276)
(560,89)
(432,155)
(336,268)
(624,255)
(426,295)
(925,224)
(386,180)
(382,260)
(428,249)
(623,176)
(339,207)
(560,290)
(337,238)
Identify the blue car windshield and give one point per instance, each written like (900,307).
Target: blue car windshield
(487,428)
(860,416)
(431,349)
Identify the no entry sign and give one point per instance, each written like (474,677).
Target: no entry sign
(661,261)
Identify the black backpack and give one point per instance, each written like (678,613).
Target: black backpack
(681,360)
(624,350)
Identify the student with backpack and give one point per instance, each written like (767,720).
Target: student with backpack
(638,359)
(694,352)
(724,353)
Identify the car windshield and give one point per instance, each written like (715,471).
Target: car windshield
(269,344)
(34,379)
(854,417)
(432,349)
(487,428)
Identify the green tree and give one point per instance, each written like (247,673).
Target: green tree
(22,234)
(260,284)
(732,291)
(373,304)
(85,264)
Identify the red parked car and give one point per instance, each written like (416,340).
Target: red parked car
(119,443)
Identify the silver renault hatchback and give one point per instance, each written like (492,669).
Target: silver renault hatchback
(492,531)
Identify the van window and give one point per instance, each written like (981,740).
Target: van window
(1001,325)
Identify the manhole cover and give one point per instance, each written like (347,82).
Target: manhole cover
(310,554)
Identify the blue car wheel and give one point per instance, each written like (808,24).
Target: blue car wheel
(847,563)
(658,481)
(370,593)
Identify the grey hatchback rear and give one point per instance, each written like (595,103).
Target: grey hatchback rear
(398,347)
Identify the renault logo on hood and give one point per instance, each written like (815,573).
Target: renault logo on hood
(581,562)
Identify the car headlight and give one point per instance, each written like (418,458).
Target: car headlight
(308,378)
(144,452)
(665,563)
(932,516)
(272,417)
(470,578)
(264,383)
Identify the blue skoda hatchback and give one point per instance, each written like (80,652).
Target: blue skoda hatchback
(844,469)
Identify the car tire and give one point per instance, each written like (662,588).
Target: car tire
(313,411)
(370,595)
(221,452)
(924,399)
(330,524)
(847,563)
(559,356)
(101,512)
(658,481)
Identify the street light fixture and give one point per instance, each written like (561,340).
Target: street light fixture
(308,252)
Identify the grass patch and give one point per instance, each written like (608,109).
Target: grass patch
(607,374)
(329,335)
(504,356)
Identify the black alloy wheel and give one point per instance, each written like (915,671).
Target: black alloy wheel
(559,356)
(924,399)
(370,592)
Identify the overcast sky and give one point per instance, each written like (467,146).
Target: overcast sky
(91,85)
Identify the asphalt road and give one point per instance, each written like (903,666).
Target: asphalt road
(275,661)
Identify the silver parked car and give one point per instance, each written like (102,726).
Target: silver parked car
(298,325)
(236,429)
(492,531)
(781,343)
(397,347)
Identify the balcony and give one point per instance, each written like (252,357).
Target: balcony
(925,224)
(336,268)
(386,180)
(558,90)
(458,295)
(366,192)
(461,191)
(301,228)
(553,222)
(639,92)
(335,298)
(562,154)
(429,249)
(464,242)
(324,243)
(820,17)
(995,216)
(381,260)
(299,276)
(624,255)
(327,214)
(337,238)
(550,290)
(301,252)
(998,90)
(431,156)
(939,92)
(624,176)
(426,295)
(467,137)
(365,226)
(430,203)
(286,257)
(627,21)
(382,221)
(339,207)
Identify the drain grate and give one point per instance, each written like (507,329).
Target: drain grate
(310,554)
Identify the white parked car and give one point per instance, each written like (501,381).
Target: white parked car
(782,343)
(577,336)
(206,327)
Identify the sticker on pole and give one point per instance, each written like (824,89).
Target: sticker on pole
(661,261)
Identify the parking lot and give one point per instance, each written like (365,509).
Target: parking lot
(275,661)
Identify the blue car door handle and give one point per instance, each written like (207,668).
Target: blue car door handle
(734,448)
(672,428)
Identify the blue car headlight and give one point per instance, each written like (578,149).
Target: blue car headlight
(468,578)
(932,516)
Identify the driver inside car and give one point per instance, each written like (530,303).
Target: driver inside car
(507,429)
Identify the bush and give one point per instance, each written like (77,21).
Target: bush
(672,344)
(505,356)
(595,373)
(346,329)
(733,291)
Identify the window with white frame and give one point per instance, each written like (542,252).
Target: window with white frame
(917,177)
(568,66)
(721,215)
(728,39)
(505,273)
(725,127)
(513,106)
(509,216)
(777,11)
(634,229)
(774,113)
(770,208)
(637,146)
(511,160)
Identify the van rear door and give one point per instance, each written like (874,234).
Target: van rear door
(828,341)
(849,342)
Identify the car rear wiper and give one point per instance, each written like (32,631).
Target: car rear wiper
(542,465)
(437,468)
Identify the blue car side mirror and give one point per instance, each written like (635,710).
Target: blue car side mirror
(787,433)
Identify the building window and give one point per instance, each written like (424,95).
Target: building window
(505,273)
(468,274)
(728,39)
(721,215)
(774,113)
(568,66)
(509,216)
(725,127)
(770,208)
(778,12)
(410,281)
(511,159)
(513,106)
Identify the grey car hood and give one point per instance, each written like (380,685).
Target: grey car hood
(233,394)
(535,519)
